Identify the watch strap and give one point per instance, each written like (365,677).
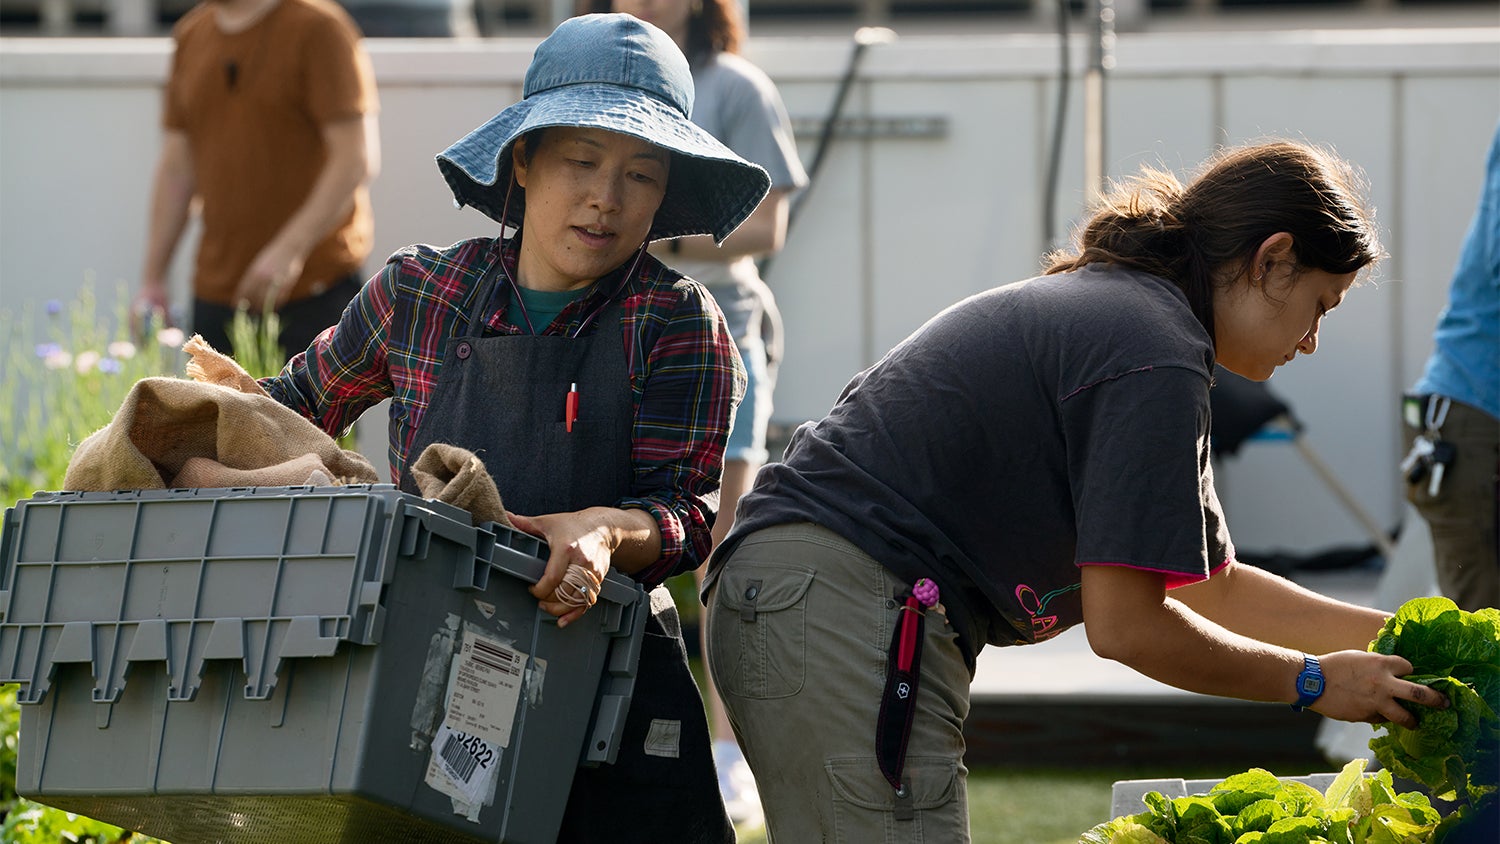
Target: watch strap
(1309,683)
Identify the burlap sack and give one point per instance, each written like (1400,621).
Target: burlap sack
(200,472)
(166,423)
(457,476)
(207,364)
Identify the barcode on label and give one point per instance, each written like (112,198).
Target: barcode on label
(495,657)
(459,756)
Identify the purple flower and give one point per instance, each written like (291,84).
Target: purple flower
(110,365)
(46,350)
(54,307)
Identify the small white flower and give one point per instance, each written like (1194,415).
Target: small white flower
(86,361)
(122,350)
(172,337)
(57,359)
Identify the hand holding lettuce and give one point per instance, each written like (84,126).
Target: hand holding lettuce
(1454,753)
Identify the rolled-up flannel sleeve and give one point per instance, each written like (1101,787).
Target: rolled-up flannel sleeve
(344,371)
(693,381)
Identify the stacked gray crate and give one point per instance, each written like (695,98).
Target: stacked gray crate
(274,664)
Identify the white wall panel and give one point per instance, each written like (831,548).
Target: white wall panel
(75,175)
(818,278)
(956,215)
(1159,121)
(1443,152)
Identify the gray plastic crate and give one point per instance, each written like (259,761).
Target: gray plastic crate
(302,664)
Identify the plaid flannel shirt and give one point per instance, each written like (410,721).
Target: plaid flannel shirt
(685,374)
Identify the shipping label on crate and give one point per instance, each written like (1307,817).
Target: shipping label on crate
(485,689)
(463,767)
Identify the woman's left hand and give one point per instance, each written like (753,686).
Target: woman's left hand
(577,540)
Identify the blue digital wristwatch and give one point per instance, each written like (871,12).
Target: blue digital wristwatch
(1309,683)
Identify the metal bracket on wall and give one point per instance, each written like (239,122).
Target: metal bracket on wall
(869,128)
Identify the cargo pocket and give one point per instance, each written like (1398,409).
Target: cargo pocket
(759,642)
(864,804)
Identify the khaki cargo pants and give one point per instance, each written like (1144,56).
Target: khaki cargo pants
(1462,515)
(799,625)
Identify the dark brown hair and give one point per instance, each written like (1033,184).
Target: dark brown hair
(713,26)
(1203,235)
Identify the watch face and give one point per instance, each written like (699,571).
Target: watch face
(1311,685)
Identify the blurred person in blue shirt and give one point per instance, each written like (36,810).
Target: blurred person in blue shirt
(1452,415)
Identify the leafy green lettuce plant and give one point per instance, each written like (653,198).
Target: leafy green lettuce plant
(1453,752)
(1256,807)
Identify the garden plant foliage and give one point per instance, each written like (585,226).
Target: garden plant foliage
(1256,807)
(1453,753)
(67,367)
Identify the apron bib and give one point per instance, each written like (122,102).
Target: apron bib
(505,398)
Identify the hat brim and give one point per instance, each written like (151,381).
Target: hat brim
(710,189)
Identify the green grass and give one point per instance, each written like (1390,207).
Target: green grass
(1037,807)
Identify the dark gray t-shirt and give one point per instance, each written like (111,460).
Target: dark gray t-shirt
(1020,433)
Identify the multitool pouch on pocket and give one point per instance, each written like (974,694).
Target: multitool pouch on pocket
(898,703)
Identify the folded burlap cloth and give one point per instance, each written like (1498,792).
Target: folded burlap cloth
(221,429)
(457,476)
(218,430)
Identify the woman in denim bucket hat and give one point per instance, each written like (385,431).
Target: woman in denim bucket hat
(596,384)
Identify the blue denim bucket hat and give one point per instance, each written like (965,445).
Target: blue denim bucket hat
(619,73)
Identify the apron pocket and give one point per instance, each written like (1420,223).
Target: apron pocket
(864,803)
(579,469)
(759,642)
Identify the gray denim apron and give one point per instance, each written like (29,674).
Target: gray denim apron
(503,398)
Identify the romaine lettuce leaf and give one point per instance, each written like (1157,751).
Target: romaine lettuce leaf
(1295,831)
(1258,817)
(1453,752)
(1136,834)
(1234,793)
